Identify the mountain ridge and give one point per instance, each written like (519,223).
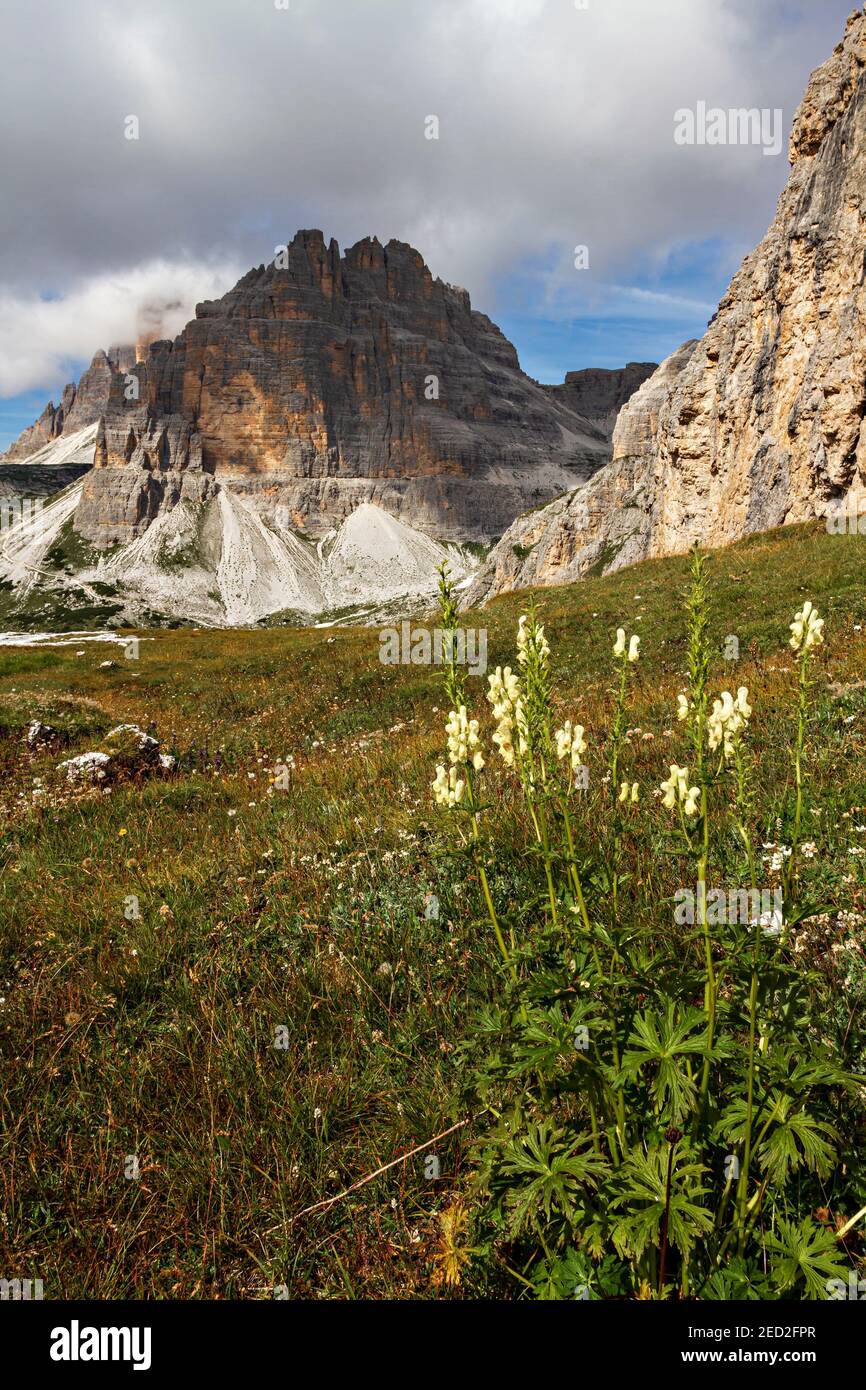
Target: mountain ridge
(762,421)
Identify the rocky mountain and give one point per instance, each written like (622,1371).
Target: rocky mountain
(761,422)
(212,560)
(80,405)
(328,406)
(599,393)
(319,382)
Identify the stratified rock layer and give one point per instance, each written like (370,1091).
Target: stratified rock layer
(599,393)
(321,382)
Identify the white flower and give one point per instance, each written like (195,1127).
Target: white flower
(807,629)
(778,858)
(570,742)
(522,638)
(448,788)
(633,646)
(530,634)
(770,922)
(505,696)
(677,788)
(671,792)
(635,793)
(690,806)
(727,720)
(619,644)
(464,745)
(683,710)
(623,792)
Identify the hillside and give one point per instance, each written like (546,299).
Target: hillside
(156,932)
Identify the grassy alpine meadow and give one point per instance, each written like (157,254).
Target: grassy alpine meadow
(578,1015)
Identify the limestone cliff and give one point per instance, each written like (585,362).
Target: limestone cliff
(762,421)
(323,381)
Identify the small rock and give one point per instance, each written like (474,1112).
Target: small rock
(87,765)
(41,735)
(131,748)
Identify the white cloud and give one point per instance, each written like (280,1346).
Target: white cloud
(556,130)
(39,338)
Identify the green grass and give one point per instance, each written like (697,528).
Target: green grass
(146,1028)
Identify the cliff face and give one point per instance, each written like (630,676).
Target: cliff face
(599,393)
(762,421)
(80,404)
(329,381)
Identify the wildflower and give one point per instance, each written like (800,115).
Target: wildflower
(623,792)
(448,788)
(778,858)
(570,742)
(122,831)
(807,629)
(531,634)
(619,644)
(633,646)
(770,922)
(635,793)
(629,793)
(674,788)
(463,742)
(683,710)
(505,696)
(677,788)
(727,720)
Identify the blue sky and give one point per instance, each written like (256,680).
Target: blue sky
(556,129)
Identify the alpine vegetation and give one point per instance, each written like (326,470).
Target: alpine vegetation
(664,1114)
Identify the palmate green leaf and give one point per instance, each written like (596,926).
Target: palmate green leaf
(642,1184)
(738,1282)
(660,1043)
(796,1140)
(803,1074)
(806,1251)
(545,1171)
(548,1035)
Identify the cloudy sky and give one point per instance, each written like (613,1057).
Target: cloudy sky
(257,117)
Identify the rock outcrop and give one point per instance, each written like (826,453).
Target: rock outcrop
(599,393)
(80,405)
(761,422)
(321,382)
